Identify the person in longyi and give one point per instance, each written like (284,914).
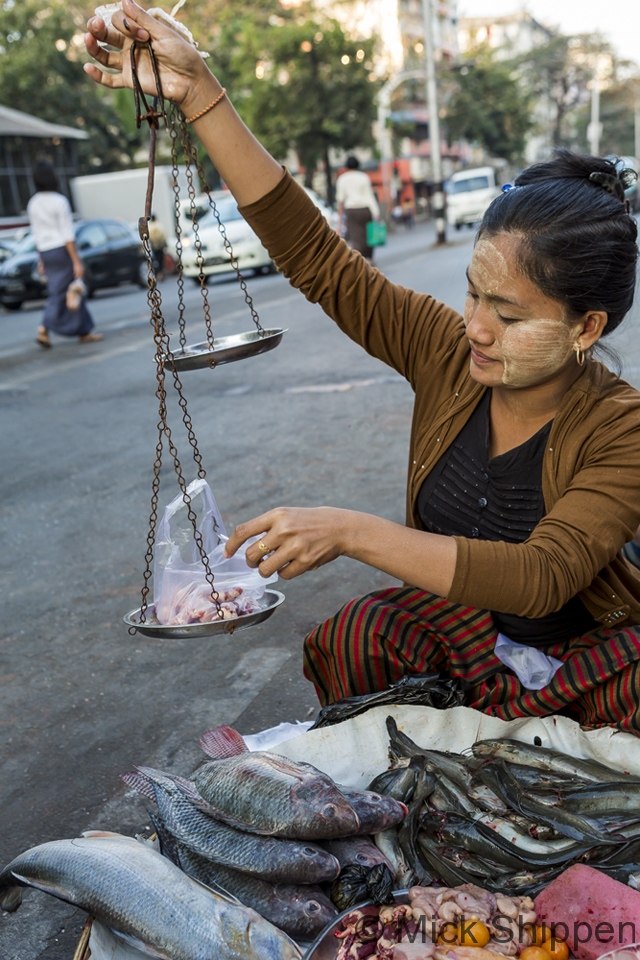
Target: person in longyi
(525,450)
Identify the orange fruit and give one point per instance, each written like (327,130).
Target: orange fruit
(449,934)
(473,933)
(542,933)
(535,953)
(557,949)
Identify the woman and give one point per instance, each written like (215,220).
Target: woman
(525,453)
(51,224)
(358,205)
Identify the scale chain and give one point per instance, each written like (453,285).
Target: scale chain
(163,356)
(173,133)
(189,146)
(197,242)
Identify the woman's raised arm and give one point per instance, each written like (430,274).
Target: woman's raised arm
(243,163)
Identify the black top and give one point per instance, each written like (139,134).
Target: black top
(469,495)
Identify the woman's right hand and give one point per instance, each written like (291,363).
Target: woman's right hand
(186,80)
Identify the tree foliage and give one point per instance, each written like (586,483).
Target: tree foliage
(41,74)
(559,73)
(489,106)
(299,83)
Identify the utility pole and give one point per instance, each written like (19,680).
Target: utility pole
(594,130)
(434,121)
(637,122)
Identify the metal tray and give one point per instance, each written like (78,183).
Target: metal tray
(325,947)
(238,346)
(269,602)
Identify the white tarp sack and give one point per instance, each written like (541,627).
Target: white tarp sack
(355,751)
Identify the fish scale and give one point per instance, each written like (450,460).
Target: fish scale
(302,911)
(267,794)
(272,858)
(147,900)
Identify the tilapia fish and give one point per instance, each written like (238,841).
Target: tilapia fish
(301,910)
(268,794)
(271,858)
(375,812)
(145,899)
(355,852)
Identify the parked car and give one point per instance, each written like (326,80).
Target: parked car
(247,249)
(469,193)
(111,253)
(7,246)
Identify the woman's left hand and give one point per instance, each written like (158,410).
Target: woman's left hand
(293,539)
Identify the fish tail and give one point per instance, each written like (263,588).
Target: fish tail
(10,899)
(223,742)
(140,783)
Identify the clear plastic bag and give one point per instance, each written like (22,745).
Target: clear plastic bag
(533,668)
(181,591)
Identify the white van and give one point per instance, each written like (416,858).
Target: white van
(469,193)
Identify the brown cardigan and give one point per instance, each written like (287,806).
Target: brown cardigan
(591,473)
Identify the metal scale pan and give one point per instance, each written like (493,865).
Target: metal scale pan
(269,603)
(237,346)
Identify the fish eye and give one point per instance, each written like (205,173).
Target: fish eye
(310,851)
(313,906)
(329,810)
(361,857)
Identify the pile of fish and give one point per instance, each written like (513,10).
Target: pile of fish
(508,816)
(433,922)
(266,829)
(145,900)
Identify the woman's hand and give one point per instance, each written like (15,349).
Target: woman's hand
(186,80)
(297,539)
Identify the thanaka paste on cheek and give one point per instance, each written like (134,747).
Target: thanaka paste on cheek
(534,350)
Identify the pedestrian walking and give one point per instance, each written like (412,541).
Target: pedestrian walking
(158,242)
(51,222)
(408,213)
(525,450)
(358,204)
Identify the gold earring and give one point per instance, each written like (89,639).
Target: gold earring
(579,354)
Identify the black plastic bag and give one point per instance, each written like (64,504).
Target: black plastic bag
(425,691)
(359,884)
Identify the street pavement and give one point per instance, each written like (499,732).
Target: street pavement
(316,421)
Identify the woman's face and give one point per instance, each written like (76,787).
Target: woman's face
(519,337)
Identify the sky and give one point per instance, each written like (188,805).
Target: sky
(619,22)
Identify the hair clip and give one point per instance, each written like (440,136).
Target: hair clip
(507,187)
(609,182)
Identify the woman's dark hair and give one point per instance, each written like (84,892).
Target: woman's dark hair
(352,163)
(578,239)
(45,177)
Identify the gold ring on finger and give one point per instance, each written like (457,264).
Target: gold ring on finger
(262,547)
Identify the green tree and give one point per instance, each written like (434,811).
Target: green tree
(488,105)
(41,54)
(300,84)
(559,73)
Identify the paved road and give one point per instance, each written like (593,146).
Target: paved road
(315,421)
